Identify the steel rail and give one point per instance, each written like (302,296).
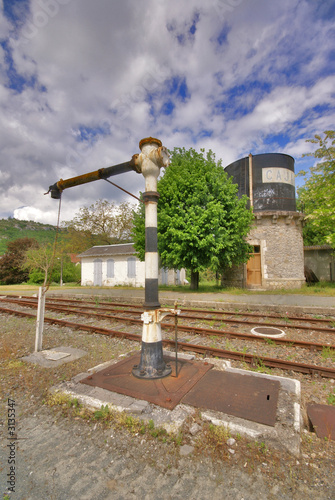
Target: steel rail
(204,311)
(252,359)
(190,316)
(217,313)
(192,329)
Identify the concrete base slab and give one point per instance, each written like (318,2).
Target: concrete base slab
(284,435)
(54,357)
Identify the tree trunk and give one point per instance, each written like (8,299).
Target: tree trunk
(194,280)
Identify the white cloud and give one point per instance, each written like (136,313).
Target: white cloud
(111,65)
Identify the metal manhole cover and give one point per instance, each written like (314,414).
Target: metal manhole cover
(322,418)
(166,392)
(267,331)
(245,396)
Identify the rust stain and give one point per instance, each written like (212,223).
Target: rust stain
(166,392)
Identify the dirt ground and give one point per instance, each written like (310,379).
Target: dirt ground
(61,452)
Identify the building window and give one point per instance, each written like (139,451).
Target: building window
(110,268)
(257,249)
(131,267)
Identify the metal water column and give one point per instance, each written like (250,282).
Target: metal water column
(153,156)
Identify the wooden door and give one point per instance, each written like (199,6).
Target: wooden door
(254,275)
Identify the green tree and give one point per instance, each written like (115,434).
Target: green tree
(201,221)
(11,270)
(46,267)
(39,262)
(102,223)
(317,196)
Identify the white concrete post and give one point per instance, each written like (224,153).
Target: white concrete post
(40,318)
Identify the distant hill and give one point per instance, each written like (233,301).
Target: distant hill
(12,229)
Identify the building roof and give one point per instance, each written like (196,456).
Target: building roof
(109,250)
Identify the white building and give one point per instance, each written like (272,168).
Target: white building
(113,265)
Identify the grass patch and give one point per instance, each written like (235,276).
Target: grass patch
(328,353)
(323,288)
(331,398)
(213,440)
(109,417)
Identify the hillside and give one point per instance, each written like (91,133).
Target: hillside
(12,229)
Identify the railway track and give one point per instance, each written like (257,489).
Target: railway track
(312,323)
(100,313)
(127,313)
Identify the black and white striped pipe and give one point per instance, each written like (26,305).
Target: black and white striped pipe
(150,199)
(153,156)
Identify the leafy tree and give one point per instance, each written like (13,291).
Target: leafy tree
(44,267)
(201,221)
(317,196)
(39,261)
(11,271)
(102,223)
(76,241)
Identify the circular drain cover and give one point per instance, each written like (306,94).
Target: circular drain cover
(267,331)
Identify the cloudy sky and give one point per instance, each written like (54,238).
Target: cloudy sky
(82,81)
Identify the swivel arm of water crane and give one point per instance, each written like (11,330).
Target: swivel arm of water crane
(103,173)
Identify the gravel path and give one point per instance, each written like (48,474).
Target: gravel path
(63,459)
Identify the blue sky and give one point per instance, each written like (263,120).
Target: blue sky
(82,82)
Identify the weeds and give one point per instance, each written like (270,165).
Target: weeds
(62,399)
(109,417)
(260,367)
(103,413)
(328,352)
(213,440)
(331,398)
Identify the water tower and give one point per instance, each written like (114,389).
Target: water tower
(277,260)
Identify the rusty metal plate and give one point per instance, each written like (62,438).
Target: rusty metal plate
(166,392)
(245,396)
(322,417)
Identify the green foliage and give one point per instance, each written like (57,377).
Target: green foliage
(11,270)
(71,273)
(103,413)
(139,230)
(213,441)
(317,196)
(36,277)
(13,229)
(328,352)
(102,223)
(331,398)
(201,221)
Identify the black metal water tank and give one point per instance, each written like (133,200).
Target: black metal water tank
(273,186)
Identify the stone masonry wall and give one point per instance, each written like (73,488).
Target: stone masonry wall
(282,252)
(279,236)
